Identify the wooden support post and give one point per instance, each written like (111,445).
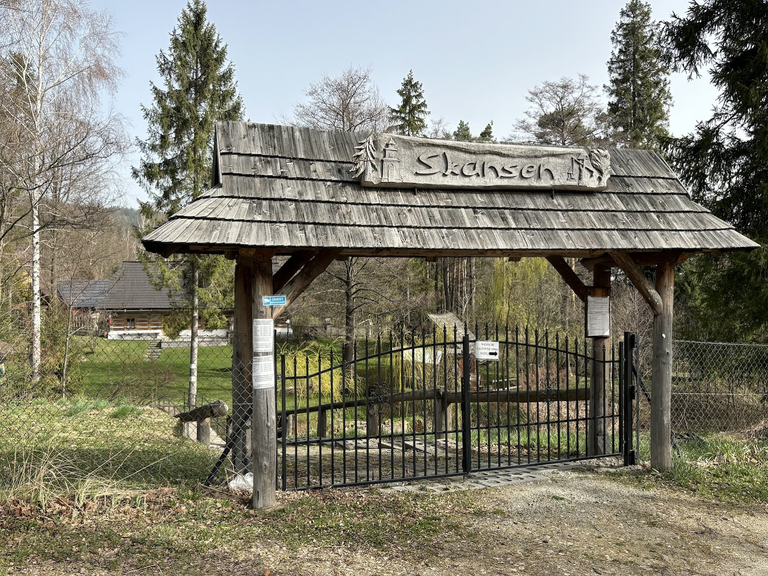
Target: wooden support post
(661,394)
(596,425)
(322,422)
(441,406)
(204,432)
(264,421)
(372,423)
(242,353)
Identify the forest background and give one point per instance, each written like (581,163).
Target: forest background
(60,146)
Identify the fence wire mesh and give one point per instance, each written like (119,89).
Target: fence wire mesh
(717,387)
(105,410)
(108,411)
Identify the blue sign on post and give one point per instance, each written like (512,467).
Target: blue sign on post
(273,300)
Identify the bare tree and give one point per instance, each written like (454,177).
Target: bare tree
(563,113)
(57,63)
(349,102)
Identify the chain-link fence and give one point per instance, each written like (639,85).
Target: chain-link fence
(716,387)
(104,411)
(112,411)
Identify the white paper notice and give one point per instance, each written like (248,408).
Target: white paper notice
(598,317)
(263,372)
(263,335)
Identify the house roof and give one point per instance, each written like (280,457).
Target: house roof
(288,189)
(130,289)
(450,324)
(82,293)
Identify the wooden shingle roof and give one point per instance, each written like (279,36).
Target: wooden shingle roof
(131,289)
(288,189)
(83,293)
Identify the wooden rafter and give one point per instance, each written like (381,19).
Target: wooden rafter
(311,270)
(290,268)
(571,278)
(638,279)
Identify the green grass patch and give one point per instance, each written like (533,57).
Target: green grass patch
(115,369)
(89,447)
(716,465)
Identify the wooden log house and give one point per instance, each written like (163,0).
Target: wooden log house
(135,308)
(316,196)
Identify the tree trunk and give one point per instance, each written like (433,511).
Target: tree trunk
(194,278)
(36,353)
(349,323)
(68,337)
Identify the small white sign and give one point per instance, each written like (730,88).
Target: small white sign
(263,335)
(263,372)
(598,317)
(487,350)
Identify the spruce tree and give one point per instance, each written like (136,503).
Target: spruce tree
(410,117)
(462,132)
(198,88)
(724,162)
(638,89)
(487,134)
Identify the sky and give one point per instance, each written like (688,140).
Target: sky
(476,62)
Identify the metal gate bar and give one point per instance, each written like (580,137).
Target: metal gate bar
(425,407)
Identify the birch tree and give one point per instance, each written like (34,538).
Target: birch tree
(57,58)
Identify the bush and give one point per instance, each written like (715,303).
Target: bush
(309,370)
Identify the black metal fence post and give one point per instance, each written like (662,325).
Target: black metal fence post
(466,425)
(628,391)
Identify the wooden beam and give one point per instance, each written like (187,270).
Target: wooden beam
(304,278)
(290,267)
(638,279)
(242,354)
(571,278)
(661,374)
(263,420)
(640,258)
(596,424)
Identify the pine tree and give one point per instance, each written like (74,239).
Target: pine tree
(462,132)
(725,162)
(198,88)
(487,134)
(410,117)
(638,89)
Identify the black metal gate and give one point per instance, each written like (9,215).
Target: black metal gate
(430,406)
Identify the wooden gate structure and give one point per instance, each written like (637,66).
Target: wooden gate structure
(315,196)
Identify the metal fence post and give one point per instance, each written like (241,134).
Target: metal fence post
(466,428)
(628,392)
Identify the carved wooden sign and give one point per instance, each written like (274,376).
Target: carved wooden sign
(392,161)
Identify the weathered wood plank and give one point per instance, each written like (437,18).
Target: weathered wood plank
(569,276)
(661,399)
(350,214)
(638,279)
(264,421)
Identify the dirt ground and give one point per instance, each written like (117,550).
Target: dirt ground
(573,523)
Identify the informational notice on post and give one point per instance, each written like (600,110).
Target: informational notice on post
(263,335)
(598,317)
(487,350)
(263,372)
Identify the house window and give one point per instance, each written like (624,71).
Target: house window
(130,323)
